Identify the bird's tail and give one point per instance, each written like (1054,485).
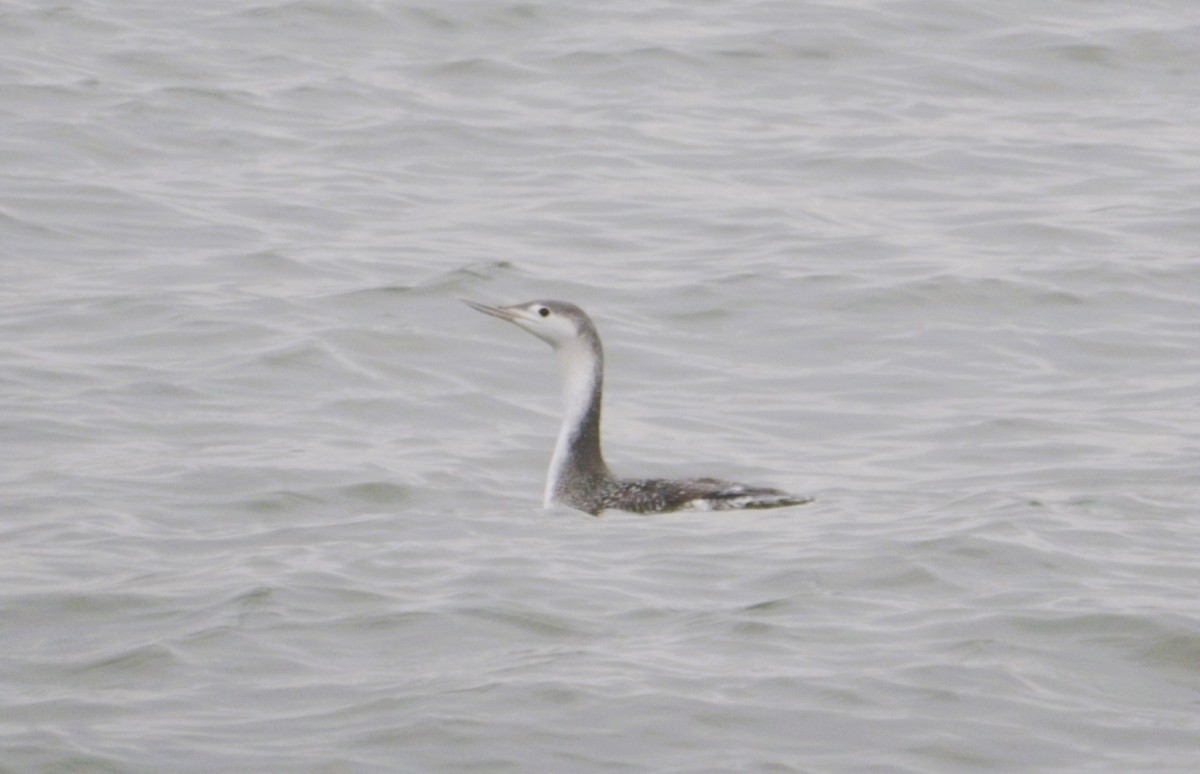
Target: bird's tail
(738,497)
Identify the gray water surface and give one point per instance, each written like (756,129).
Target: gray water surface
(271,498)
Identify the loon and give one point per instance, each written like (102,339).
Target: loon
(578,476)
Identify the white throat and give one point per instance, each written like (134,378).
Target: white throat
(581,372)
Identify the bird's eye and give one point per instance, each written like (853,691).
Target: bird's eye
(544,312)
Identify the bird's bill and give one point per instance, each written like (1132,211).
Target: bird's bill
(504,313)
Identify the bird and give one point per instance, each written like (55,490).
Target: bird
(578,476)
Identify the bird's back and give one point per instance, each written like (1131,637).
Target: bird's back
(659,495)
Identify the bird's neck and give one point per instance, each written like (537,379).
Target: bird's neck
(578,461)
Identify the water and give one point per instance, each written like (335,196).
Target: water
(271,496)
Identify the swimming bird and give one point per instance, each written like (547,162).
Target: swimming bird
(578,475)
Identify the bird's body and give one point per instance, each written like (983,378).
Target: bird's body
(578,475)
